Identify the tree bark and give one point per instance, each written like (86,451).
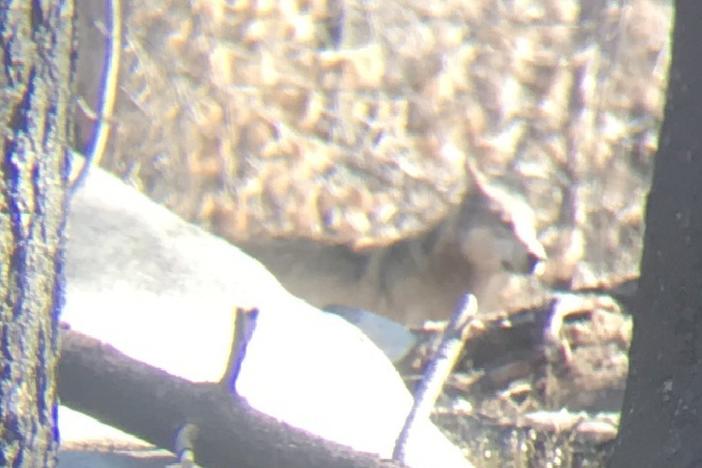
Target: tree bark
(662,414)
(36,40)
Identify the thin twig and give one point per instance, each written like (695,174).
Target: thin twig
(108,96)
(244,326)
(438,370)
(185,446)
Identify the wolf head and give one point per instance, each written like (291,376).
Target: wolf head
(495,237)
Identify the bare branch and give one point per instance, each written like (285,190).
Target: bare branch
(438,370)
(108,97)
(145,401)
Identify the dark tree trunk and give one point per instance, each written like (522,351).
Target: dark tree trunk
(662,415)
(36,40)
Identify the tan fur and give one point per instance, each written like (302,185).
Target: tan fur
(476,249)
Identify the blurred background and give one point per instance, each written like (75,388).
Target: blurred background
(321,134)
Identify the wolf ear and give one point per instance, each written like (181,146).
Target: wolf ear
(513,210)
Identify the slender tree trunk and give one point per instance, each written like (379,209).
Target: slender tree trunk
(36,40)
(661,422)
